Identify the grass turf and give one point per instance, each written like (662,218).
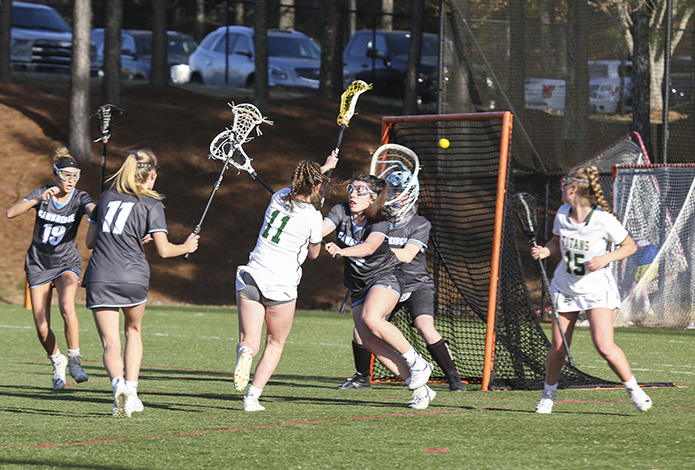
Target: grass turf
(193,416)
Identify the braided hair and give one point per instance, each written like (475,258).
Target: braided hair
(591,190)
(306,176)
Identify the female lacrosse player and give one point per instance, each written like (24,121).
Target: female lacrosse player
(118,275)
(53,260)
(267,285)
(583,280)
(374,277)
(408,237)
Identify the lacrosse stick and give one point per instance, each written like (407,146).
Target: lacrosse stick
(348,101)
(524,206)
(399,167)
(105,114)
(226,146)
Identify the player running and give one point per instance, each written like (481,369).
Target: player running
(583,281)
(374,277)
(53,260)
(408,237)
(267,285)
(118,275)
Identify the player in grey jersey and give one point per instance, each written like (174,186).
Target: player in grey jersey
(374,276)
(118,275)
(408,239)
(53,260)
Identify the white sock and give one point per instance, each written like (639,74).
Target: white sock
(73,352)
(631,384)
(547,389)
(117,383)
(411,356)
(254,392)
(132,384)
(55,356)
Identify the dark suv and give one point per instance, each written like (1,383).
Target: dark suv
(40,39)
(381,58)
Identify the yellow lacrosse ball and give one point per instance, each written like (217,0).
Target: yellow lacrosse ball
(444,143)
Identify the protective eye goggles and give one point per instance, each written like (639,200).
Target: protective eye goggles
(360,190)
(68,175)
(571,179)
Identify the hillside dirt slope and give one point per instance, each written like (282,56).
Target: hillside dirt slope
(178,125)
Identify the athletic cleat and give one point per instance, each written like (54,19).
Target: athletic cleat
(242,370)
(120,398)
(357,382)
(422,398)
(545,404)
(76,370)
(251,404)
(59,366)
(455,383)
(133,405)
(419,373)
(640,398)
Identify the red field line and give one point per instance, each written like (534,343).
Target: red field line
(250,428)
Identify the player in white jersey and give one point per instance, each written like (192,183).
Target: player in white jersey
(267,285)
(53,260)
(375,279)
(118,275)
(585,231)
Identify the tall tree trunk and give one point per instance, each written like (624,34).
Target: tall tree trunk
(330,83)
(5,30)
(575,125)
(414,56)
(517,65)
(387,17)
(199,26)
(287,14)
(352,17)
(641,75)
(112,90)
(239,18)
(79,141)
(260,41)
(159,70)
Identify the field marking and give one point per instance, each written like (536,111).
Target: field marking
(249,428)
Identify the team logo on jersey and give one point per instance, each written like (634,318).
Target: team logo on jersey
(57,218)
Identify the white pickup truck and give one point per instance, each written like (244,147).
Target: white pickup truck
(605,82)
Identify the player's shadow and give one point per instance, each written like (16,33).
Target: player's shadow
(555,412)
(25,463)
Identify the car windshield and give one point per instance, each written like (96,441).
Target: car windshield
(181,46)
(400,46)
(38,18)
(289,46)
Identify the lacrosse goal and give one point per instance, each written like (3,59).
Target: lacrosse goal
(656,204)
(482,302)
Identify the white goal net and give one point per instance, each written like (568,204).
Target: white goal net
(656,204)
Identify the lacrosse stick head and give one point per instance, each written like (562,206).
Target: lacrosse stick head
(247,117)
(348,101)
(399,167)
(104,115)
(524,206)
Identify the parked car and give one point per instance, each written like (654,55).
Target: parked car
(136,52)
(227,56)
(40,39)
(606,79)
(381,58)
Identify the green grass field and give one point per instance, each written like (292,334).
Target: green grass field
(193,416)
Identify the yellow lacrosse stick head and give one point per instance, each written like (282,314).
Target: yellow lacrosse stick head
(348,100)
